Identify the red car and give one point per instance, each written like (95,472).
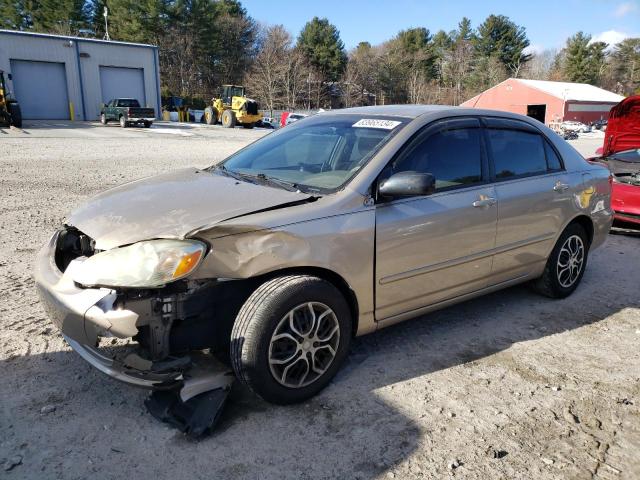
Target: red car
(621,154)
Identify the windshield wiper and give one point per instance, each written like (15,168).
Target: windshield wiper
(261,178)
(292,187)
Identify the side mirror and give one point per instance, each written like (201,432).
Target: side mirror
(408,184)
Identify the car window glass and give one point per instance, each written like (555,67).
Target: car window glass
(323,152)
(553,162)
(453,157)
(517,153)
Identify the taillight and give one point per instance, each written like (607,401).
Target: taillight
(129,111)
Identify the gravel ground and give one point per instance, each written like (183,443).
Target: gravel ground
(511,385)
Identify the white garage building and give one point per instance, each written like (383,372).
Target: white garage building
(60,78)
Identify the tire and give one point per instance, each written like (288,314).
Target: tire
(147,124)
(248,125)
(103,119)
(123,122)
(210,116)
(266,313)
(228,119)
(16,114)
(555,282)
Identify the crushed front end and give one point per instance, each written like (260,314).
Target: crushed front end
(169,326)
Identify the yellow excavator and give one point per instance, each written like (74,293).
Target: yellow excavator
(232,108)
(10,113)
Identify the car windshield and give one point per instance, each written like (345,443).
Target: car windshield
(321,153)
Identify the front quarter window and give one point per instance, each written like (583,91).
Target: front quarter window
(320,153)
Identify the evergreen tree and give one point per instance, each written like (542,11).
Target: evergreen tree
(584,61)
(66,17)
(12,14)
(321,44)
(500,38)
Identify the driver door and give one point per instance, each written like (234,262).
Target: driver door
(432,248)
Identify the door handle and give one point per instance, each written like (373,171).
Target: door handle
(484,202)
(561,187)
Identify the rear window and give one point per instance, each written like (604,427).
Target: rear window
(517,153)
(128,103)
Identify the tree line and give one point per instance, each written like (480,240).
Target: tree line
(206,43)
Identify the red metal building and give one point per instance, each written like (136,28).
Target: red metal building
(548,101)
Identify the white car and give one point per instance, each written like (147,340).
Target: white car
(294,117)
(575,126)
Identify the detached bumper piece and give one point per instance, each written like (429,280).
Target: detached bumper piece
(195,408)
(196,417)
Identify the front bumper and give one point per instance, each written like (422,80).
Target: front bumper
(82,314)
(85,314)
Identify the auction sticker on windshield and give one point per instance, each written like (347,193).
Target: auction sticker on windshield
(376,123)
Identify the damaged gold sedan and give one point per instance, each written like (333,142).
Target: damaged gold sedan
(338,225)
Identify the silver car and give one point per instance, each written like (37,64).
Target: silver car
(344,223)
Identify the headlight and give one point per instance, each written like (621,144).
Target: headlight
(145,264)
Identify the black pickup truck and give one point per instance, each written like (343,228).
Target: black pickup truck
(127,111)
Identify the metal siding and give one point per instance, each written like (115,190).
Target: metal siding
(118,82)
(23,47)
(93,54)
(41,89)
(513,96)
(115,55)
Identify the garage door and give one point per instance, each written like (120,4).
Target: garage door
(118,82)
(41,89)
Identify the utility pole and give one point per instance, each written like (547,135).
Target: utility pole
(106,24)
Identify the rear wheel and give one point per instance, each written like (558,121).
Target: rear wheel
(123,122)
(147,124)
(16,115)
(566,264)
(228,119)
(290,338)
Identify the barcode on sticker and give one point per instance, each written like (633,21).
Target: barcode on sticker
(376,123)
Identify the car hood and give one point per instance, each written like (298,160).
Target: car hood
(623,127)
(173,205)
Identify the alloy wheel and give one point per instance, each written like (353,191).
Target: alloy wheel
(304,344)
(570,261)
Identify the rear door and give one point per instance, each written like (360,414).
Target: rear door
(533,196)
(432,248)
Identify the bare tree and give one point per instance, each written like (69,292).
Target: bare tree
(267,77)
(178,55)
(295,79)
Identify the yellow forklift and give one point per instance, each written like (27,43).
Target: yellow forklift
(232,108)
(10,113)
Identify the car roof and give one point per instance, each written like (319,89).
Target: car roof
(407,111)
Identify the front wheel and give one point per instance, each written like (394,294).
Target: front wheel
(103,119)
(566,264)
(290,338)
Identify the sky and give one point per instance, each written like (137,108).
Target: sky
(548,22)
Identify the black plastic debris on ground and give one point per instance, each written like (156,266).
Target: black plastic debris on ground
(196,417)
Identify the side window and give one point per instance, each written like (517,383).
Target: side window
(516,153)
(452,156)
(553,162)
